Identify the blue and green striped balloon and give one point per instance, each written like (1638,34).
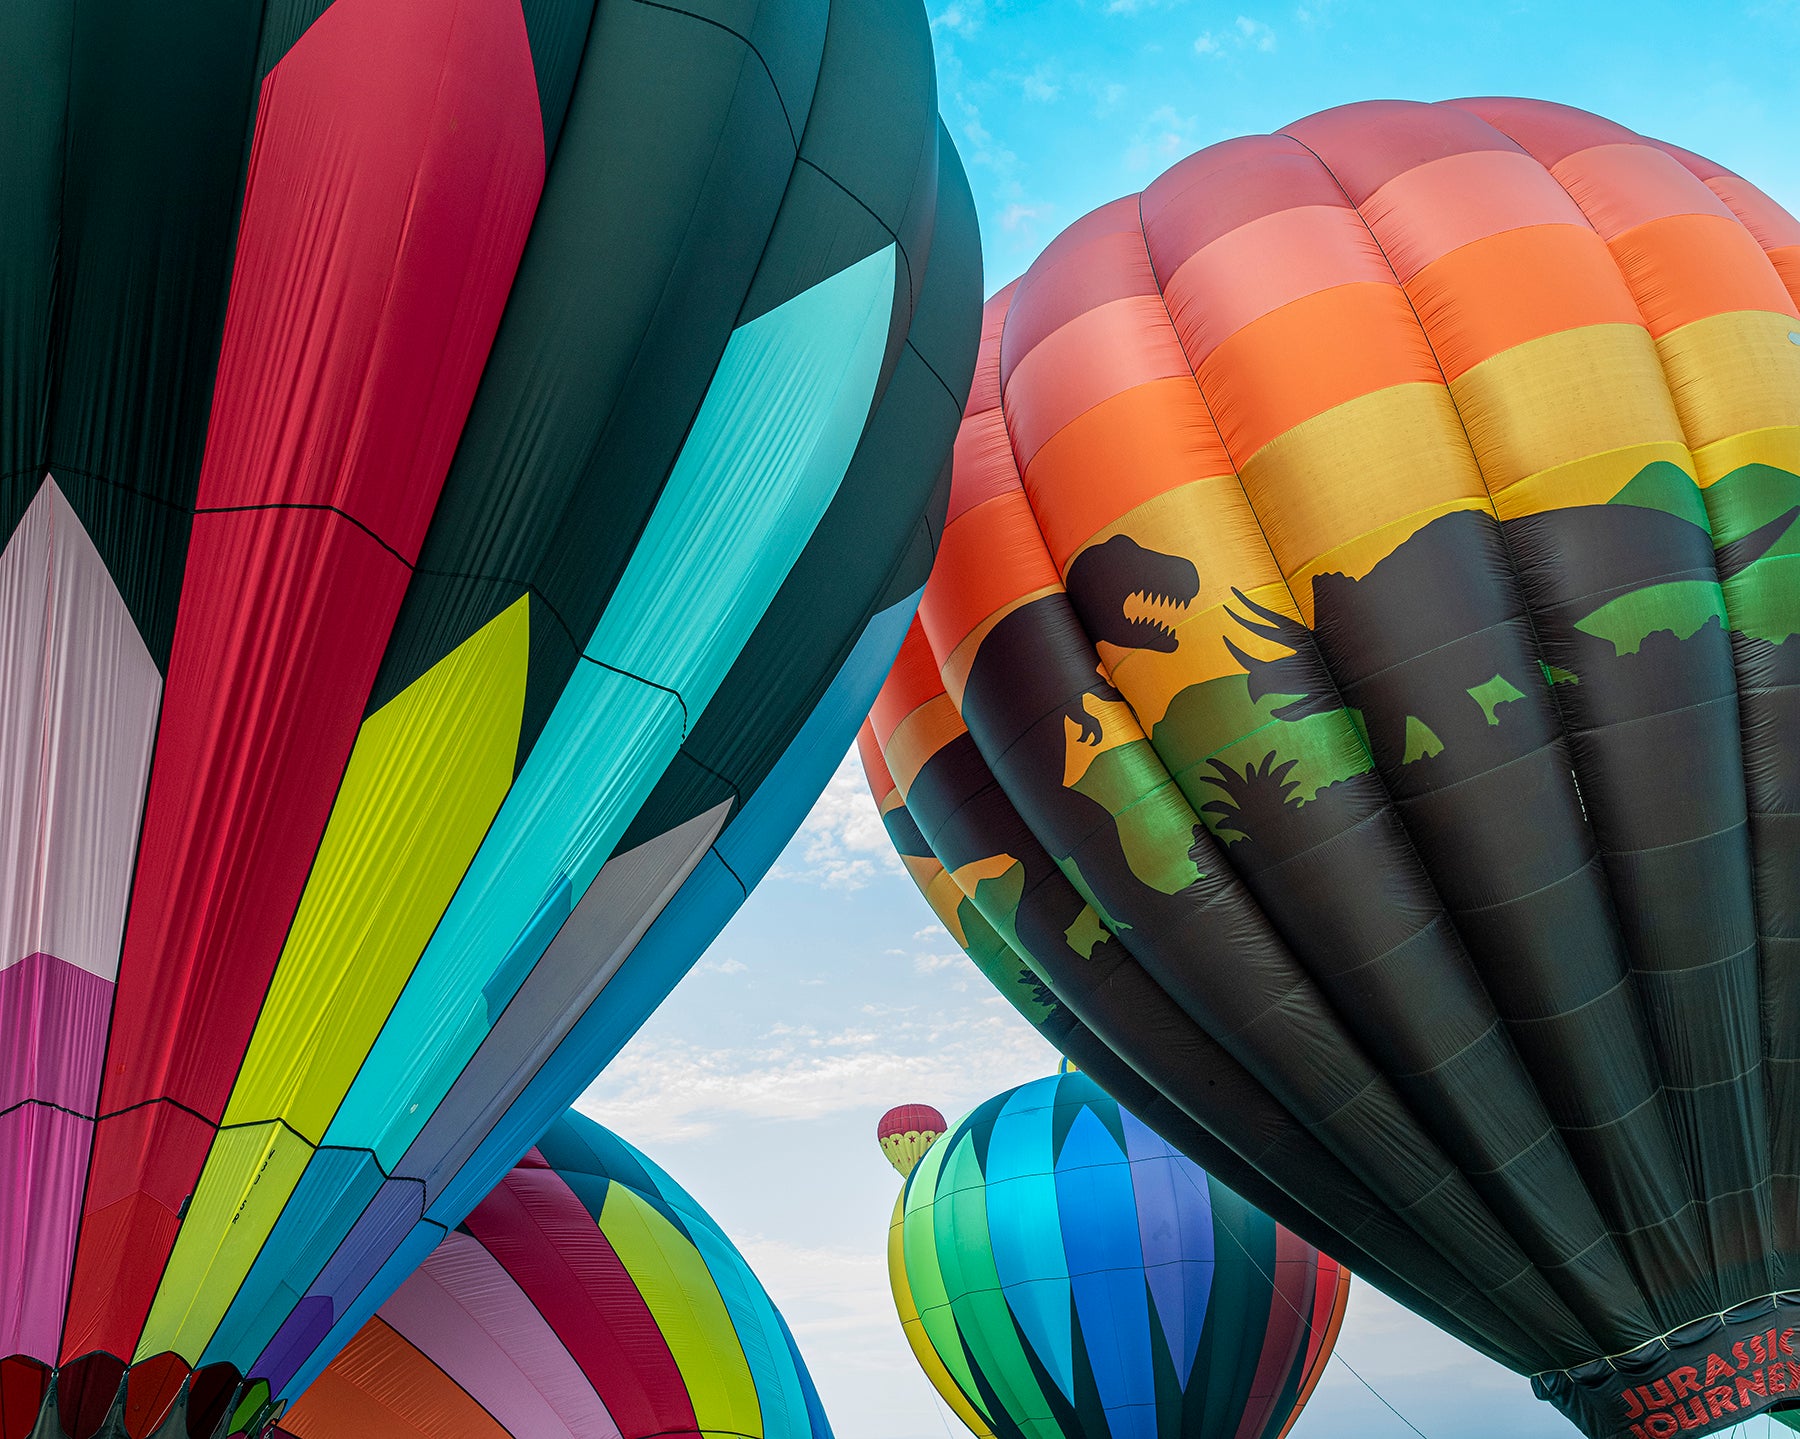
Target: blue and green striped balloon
(1064,1273)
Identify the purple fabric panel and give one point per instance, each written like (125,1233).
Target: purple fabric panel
(52,1033)
(469,1317)
(43,1156)
(1175,1227)
(379,1230)
(78,705)
(300,1333)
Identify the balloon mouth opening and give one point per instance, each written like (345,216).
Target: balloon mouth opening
(101,1396)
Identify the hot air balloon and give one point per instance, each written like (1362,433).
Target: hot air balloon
(905,1132)
(465,468)
(588,1294)
(1062,1271)
(1357,700)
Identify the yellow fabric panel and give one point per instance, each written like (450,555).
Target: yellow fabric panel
(914,1329)
(685,1302)
(1365,465)
(945,898)
(1590,481)
(1208,521)
(918,737)
(222,1235)
(426,777)
(1562,398)
(1733,373)
(1150,679)
(1779,445)
(1364,552)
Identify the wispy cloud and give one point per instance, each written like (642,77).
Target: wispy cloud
(842,844)
(680,1091)
(1138,7)
(1163,137)
(960,17)
(1243,34)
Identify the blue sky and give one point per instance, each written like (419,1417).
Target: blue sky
(834,994)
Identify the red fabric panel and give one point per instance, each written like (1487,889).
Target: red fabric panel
(386,208)
(23,1384)
(1295,1271)
(151,1389)
(1095,261)
(144,1165)
(546,1240)
(984,389)
(1225,187)
(1549,131)
(914,680)
(1325,1287)
(908,1119)
(1367,145)
(394,172)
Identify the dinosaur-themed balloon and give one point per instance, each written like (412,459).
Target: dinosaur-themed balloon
(589,1294)
(1357,702)
(464,469)
(1062,1272)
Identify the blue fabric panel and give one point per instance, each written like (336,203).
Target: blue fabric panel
(1174,1214)
(1106,1271)
(1025,1228)
(408,1256)
(693,919)
(766,454)
(333,1191)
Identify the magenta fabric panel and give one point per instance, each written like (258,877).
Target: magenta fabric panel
(469,1317)
(78,704)
(52,1034)
(43,1154)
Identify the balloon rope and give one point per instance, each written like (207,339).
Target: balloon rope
(1336,1352)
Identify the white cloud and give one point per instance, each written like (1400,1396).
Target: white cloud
(932,963)
(1255,33)
(1244,34)
(962,17)
(1019,216)
(842,843)
(728,965)
(1163,138)
(679,1091)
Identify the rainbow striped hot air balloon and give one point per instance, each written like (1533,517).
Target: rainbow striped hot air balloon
(1061,1271)
(587,1296)
(464,467)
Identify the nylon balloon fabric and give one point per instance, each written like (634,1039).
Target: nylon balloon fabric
(1357,702)
(1063,1273)
(466,468)
(587,1295)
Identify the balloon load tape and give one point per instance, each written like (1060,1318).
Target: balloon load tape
(1702,1378)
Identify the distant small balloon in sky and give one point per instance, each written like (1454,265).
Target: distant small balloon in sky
(906,1132)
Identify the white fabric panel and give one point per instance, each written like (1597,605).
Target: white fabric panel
(78,703)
